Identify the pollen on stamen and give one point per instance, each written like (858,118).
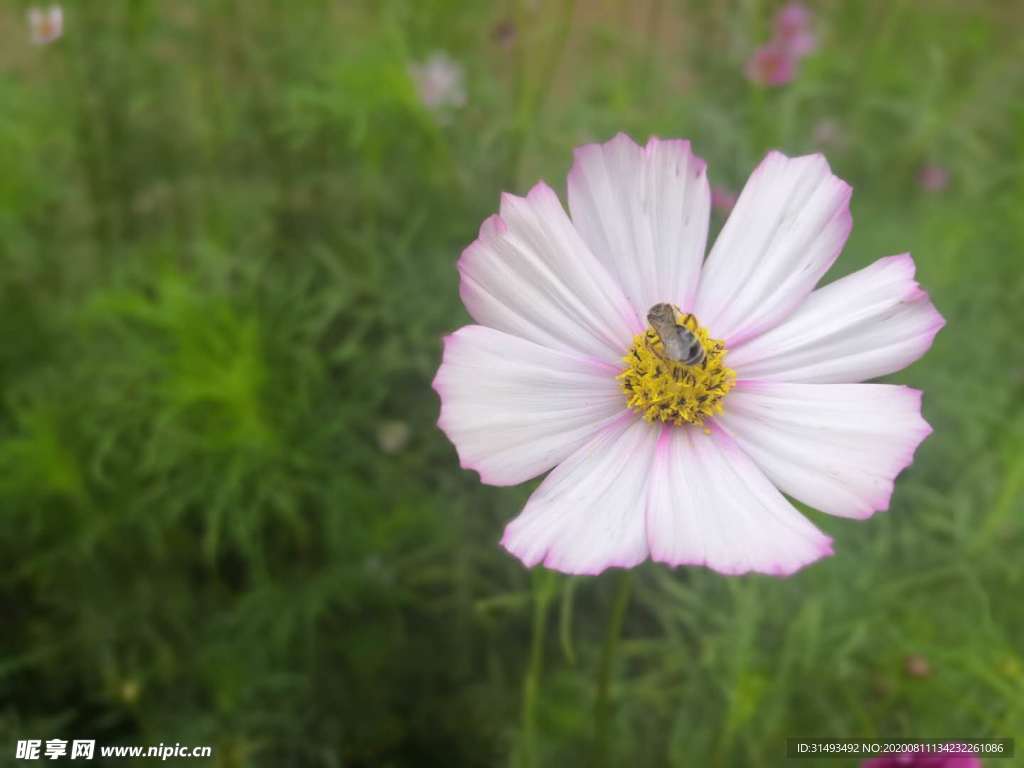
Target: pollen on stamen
(662,389)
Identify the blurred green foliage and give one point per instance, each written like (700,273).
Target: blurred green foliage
(227,241)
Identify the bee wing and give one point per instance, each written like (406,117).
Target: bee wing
(676,343)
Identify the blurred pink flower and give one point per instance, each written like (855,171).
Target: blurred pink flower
(722,199)
(45,25)
(917,665)
(922,760)
(771,65)
(439,81)
(793,30)
(933,178)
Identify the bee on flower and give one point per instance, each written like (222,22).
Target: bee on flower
(45,24)
(674,399)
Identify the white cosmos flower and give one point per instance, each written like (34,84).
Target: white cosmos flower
(439,81)
(561,304)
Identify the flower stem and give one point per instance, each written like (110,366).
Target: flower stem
(602,708)
(533,85)
(543,583)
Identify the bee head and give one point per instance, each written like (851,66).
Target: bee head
(661,315)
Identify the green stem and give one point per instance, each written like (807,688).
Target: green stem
(602,707)
(531,685)
(531,96)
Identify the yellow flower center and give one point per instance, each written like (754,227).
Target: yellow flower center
(659,387)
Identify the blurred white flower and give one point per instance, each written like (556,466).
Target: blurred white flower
(392,436)
(45,24)
(439,81)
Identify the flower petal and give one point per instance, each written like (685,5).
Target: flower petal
(710,505)
(788,226)
(515,409)
(530,274)
(835,447)
(644,213)
(588,514)
(864,325)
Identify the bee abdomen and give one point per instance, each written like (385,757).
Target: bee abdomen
(694,352)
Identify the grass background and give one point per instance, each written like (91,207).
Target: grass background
(228,232)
